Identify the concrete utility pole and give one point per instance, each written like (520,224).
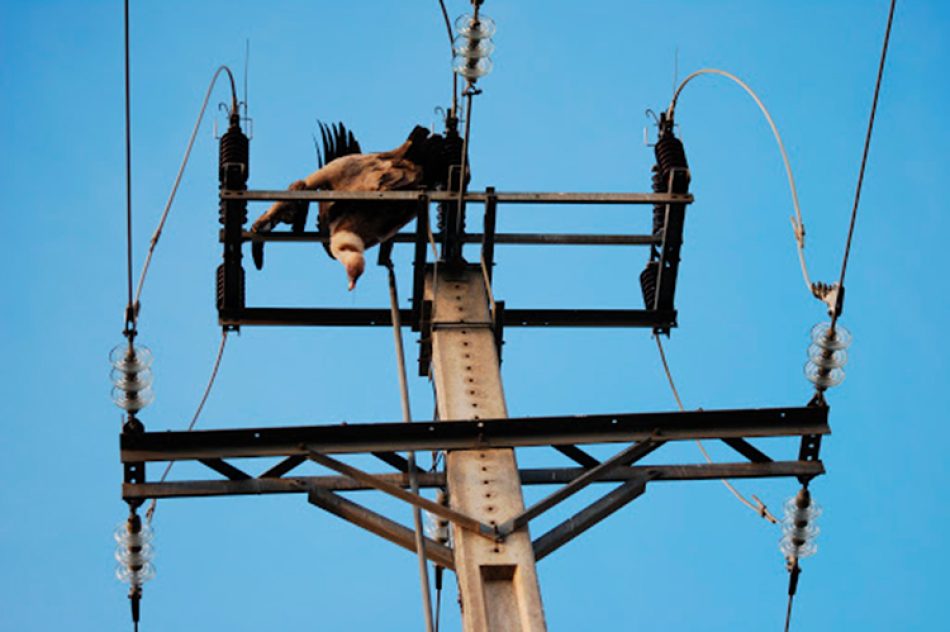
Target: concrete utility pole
(498,582)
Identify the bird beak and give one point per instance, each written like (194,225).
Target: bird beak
(352,285)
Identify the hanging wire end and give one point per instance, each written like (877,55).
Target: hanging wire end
(135,601)
(763,511)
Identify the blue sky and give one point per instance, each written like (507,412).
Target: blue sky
(562,111)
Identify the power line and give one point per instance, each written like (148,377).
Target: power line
(455,77)
(411,457)
(181,170)
(798,225)
(864,156)
(759,507)
(130,311)
(149,514)
(788,612)
(794,569)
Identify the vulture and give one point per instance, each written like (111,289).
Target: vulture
(422,162)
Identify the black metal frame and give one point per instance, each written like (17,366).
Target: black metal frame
(647,431)
(237,314)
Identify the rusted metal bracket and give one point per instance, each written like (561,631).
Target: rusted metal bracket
(267,483)
(396,491)
(447,196)
(473,434)
(588,517)
(626,456)
(380,525)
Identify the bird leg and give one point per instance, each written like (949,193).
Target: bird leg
(293,213)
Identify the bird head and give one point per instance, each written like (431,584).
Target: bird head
(347,248)
(355,263)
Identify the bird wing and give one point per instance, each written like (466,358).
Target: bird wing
(337,143)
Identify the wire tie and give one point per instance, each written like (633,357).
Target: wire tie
(799,230)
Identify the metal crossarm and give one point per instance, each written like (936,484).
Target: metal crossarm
(382,317)
(474,434)
(521,239)
(265,484)
(471,197)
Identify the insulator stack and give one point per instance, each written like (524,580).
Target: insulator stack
(233,171)
(224,286)
(437,527)
(450,216)
(473,46)
(131,377)
(452,147)
(671,158)
(234,156)
(670,175)
(799,530)
(659,210)
(648,281)
(452,154)
(134,552)
(827,354)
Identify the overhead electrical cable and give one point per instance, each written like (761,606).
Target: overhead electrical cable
(798,226)
(411,456)
(759,507)
(794,568)
(181,170)
(130,316)
(150,513)
(135,592)
(455,77)
(864,156)
(788,612)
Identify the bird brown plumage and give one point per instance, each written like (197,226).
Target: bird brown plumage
(353,226)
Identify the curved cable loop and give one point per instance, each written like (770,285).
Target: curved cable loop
(798,226)
(150,512)
(759,507)
(455,77)
(181,170)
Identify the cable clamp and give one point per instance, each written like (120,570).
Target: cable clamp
(831,294)
(799,229)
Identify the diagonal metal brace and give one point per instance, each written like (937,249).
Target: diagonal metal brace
(284,466)
(380,525)
(629,455)
(747,450)
(587,518)
(396,491)
(226,469)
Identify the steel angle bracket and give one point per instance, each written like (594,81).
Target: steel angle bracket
(355,438)
(233,312)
